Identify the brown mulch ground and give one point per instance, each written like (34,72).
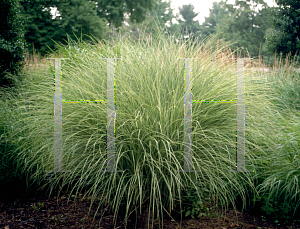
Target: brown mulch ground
(16,211)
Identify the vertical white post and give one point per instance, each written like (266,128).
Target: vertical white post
(111,115)
(240,109)
(240,122)
(57,118)
(188,154)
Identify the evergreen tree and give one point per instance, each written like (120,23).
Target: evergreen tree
(189,26)
(39,25)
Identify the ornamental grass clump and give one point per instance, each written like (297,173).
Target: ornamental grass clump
(278,189)
(149,124)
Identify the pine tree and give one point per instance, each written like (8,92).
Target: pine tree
(190,27)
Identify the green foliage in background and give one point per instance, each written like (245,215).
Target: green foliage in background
(39,26)
(189,26)
(245,27)
(255,32)
(283,35)
(114,10)
(155,19)
(79,16)
(218,12)
(262,33)
(12,42)
(76,17)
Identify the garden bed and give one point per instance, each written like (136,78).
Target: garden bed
(46,212)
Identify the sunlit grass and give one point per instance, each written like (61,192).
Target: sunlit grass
(149,125)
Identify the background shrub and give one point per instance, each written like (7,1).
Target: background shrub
(12,41)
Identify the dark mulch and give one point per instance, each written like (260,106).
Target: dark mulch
(16,211)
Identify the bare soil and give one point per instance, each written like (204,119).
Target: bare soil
(16,211)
